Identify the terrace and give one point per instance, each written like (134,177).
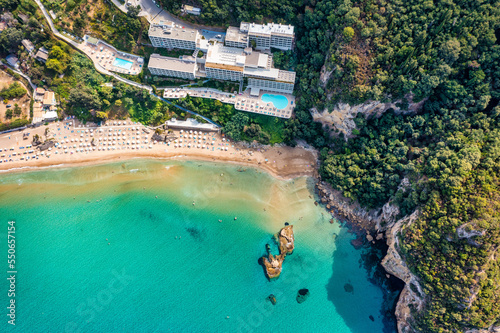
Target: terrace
(110,58)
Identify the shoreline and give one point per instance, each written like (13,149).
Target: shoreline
(83,146)
(274,172)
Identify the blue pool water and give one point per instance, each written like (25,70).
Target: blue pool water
(122,63)
(279,101)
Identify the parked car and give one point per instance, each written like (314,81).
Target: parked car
(9,105)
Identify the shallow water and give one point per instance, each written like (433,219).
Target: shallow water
(122,248)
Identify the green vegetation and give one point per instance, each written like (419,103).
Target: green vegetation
(453,171)
(446,56)
(15,90)
(237,125)
(225,12)
(91,99)
(102,19)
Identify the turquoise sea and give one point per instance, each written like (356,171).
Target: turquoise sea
(138,247)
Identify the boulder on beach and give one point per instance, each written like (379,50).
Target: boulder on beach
(302,295)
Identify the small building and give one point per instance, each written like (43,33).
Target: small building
(39,93)
(28,45)
(49,99)
(191,124)
(37,112)
(8,19)
(25,18)
(42,55)
(12,60)
(191,10)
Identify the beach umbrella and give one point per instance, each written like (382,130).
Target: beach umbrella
(150,146)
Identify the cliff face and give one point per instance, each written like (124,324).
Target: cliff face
(377,221)
(371,220)
(395,265)
(342,116)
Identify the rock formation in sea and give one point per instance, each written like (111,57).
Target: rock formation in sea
(273,264)
(302,295)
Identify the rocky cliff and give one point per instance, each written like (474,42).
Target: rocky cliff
(342,116)
(376,222)
(412,295)
(273,264)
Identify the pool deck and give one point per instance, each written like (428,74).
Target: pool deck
(242,102)
(105,55)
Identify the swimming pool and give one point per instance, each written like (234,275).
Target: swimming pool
(279,101)
(122,63)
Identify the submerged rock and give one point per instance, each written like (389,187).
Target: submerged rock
(302,295)
(272,298)
(349,288)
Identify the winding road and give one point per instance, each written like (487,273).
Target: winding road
(104,71)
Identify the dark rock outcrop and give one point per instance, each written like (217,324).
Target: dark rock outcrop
(302,295)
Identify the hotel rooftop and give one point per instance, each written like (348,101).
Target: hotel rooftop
(267,29)
(169,63)
(233,34)
(171,30)
(223,55)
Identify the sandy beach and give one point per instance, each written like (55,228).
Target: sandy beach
(126,140)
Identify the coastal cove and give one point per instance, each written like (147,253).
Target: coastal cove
(152,245)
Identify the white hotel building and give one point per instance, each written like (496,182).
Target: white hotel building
(183,68)
(171,36)
(232,62)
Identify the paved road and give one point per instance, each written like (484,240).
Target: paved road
(154,14)
(102,70)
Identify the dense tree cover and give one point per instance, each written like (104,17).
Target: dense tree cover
(452,162)
(102,19)
(225,12)
(448,54)
(398,50)
(14,90)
